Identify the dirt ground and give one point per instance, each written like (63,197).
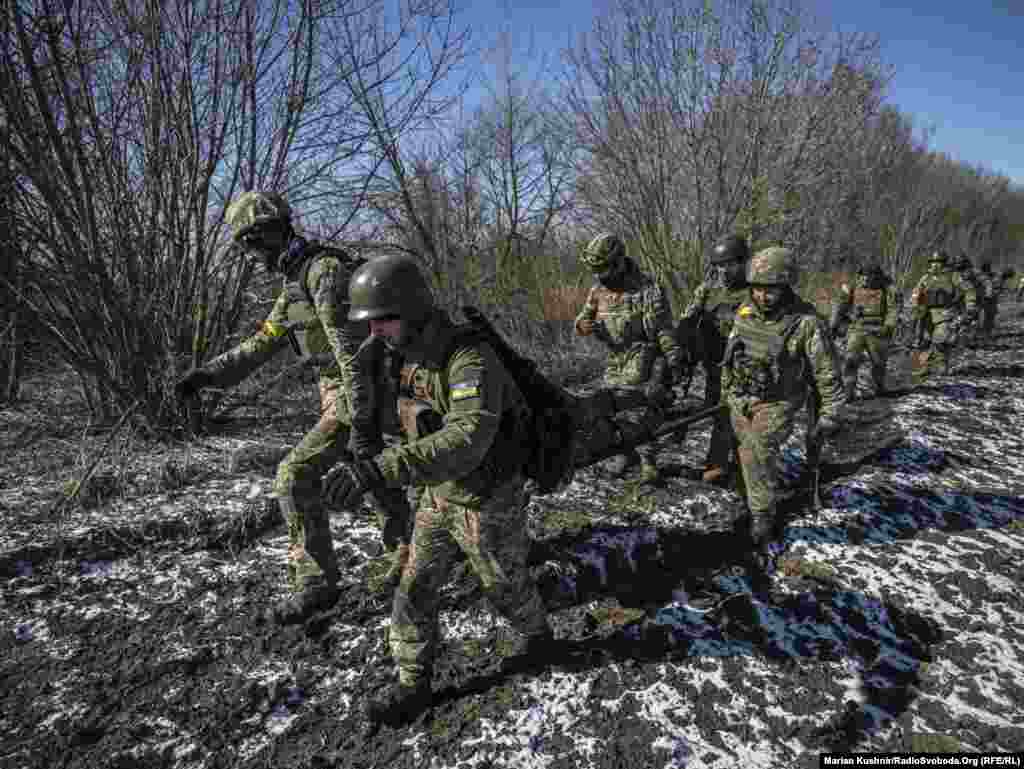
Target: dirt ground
(132,630)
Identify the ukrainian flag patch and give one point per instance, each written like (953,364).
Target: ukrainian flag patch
(470,388)
(746,310)
(273,329)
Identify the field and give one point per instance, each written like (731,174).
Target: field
(132,630)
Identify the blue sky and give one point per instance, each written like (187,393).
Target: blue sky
(959,63)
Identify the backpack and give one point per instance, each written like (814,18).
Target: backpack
(551,423)
(314,249)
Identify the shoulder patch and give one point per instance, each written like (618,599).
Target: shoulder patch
(468,388)
(271,329)
(745,311)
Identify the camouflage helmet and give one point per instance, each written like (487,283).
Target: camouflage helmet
(772,267)
(603,252)
(255,209)
(938,256)
(731,248)
(390,285)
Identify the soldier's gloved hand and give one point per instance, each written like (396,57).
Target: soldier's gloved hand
(190,384)
(825,428)
(345,484)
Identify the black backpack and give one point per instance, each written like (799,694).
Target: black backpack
(551,422)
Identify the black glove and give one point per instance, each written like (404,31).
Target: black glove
(190,384)
(345,484)
(825,429)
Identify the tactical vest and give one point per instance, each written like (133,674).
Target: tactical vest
(305,331)
(941,292)
(760,365)
(632,351)
(869,305)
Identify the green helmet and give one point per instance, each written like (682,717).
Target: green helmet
(604,252)
(390,285)
(255,209)
(772,267)
(939,257)
(731,248)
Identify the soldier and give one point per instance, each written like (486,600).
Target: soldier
(703,328)
(871,308)
(308,315)
(629,312)
(471,466)
(988,298)
(935,298)
(778,356)
(1020,289)
(968,330)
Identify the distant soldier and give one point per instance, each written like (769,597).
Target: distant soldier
(936,298)
(703,330)
(968,329)
(1020,289)
(988,299)
(470,457)
(870,306)
(778,356)
(629,312)
(309,315)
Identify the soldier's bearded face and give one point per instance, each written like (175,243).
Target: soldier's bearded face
(768,298)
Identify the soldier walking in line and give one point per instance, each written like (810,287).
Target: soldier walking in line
(702,331)
(628,312)
(936,298)
(469,457)
(870,306)
(309,315)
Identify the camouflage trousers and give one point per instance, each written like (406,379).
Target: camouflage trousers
(298,489)
(496,545)
(942,344)
(861,344)
(761,428)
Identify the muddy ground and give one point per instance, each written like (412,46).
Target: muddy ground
(132,629)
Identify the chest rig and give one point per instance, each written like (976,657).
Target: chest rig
(941,292)
(758,358)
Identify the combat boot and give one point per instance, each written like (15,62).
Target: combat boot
(317,595)
(398,705)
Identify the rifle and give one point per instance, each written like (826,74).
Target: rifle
(666,428)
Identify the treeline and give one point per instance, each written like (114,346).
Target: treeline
(127,126)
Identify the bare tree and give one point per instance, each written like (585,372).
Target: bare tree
(131,123)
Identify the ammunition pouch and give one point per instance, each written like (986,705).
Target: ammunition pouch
(938,297)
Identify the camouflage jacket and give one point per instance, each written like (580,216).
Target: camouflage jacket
(480,444)
(868,308)
(708,319)
(635,322)
(941,293)
(783,359)
(320,330)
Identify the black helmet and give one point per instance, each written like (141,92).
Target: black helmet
(389,285)
(731,248)
(873,269)
(963,264)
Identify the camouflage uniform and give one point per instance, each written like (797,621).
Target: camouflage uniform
(772,365)
(935,298)
(471,465)
(631,315)
(319,330)
(703,329)
(872,308)
(968,330)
